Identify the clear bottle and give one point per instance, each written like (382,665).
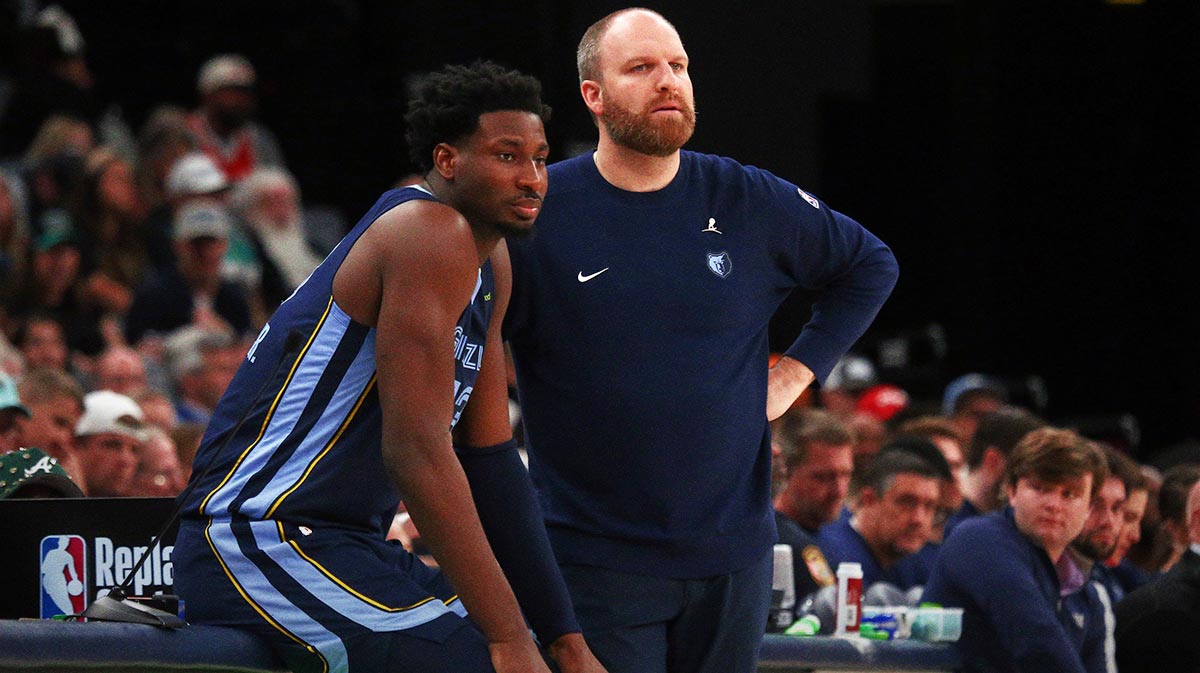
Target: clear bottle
(849,599)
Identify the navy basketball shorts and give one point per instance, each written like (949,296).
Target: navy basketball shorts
(641,624)
(328,600)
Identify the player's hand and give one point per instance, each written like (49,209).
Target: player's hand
(517,656)
(572,655)
(785,381)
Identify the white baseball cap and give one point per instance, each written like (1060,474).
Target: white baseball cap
(195,174)
(109,411)
(225,70)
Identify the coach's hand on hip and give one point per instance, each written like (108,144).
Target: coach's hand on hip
(785,381)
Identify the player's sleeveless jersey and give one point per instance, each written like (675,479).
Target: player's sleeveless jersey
(309,452)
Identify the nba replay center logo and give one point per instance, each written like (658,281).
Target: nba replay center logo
(64,575)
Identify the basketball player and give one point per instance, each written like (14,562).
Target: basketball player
(368,368)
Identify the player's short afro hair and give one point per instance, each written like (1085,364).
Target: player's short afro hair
(448,104)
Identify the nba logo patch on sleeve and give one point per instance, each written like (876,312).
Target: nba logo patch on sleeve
(811,201)
(64,575)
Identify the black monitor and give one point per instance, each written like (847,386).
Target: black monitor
(61,554)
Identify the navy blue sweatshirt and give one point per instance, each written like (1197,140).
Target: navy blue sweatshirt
(638,326)
(1013,616)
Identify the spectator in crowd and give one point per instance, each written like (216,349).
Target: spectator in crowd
(157,408)
(55,403)
(1158,623)
(52,168)
(14,236)
(884,402)
(946,438)
(52,286)
(1155,546)
(158,474)
(1003,569)
(107,439)
(1172,506)
(816,454)
(109,215)
(893,519)
(120,369)
(224,123)
(849,378)
(11,414)
(28,473)
(869,436)
(194,292)
(163,140)
(202,362)
(987,459)
(1101,532)
(187,438)
(1129,575)
(268,202)
(969,398)
(42,342)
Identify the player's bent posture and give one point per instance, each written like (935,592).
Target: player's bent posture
(365,372)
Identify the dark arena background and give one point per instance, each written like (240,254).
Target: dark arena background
(1032,164)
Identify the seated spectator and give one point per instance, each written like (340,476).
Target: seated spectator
(224,123)
(187,438)
(202,362)
(109,215)
(120,369)
(987,458)
(816,453)
(11,414)
(268,202)
(42,342)
(1101,532)
(52,285)
(55,403)
(846,382)
(969,398)
(29,473)
(869,437)
(158,473)
(106,440)
(897,502)
(1128,575)
(1004,568)
(1157,624)
(1172,506)
(192,179)
(158,409)
(945,437)
(194,292)
(14,235)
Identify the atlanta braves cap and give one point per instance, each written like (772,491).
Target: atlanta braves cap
(23,469)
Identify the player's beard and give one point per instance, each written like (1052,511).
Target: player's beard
(646,133)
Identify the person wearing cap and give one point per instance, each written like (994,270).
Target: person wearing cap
(30,473)
(194,291)
(55,403)
(1157,624)
(224,123)
(970,397)
(107,438)
(12,412)
(191,178)
(847,380)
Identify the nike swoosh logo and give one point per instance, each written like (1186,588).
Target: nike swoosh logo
(583,279)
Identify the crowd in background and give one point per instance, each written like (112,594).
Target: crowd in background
(137,264)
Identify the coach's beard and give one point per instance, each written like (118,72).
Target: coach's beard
(657,136)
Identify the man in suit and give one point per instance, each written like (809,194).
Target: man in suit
(1157,624)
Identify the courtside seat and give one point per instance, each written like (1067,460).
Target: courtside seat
(100,647)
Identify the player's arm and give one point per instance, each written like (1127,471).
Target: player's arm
(506,501)
(423,265)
